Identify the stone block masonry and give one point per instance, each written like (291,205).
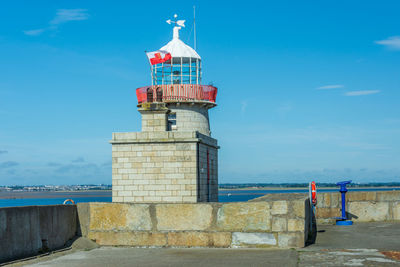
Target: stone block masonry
(191,118)
(368,206)
(242,224)
(164,166)
(154,119)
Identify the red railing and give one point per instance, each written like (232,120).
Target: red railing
(176,93)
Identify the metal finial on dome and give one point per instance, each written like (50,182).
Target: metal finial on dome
(177,27)
(176,46)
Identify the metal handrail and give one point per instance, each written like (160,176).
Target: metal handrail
(176,92)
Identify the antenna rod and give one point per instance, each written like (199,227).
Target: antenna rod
(194,26)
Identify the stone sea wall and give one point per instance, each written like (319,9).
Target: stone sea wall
(372,206)
(278,223)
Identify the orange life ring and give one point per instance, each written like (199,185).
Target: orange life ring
(313,193)
(69,200)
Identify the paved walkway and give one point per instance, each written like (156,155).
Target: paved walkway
(108,256)
(362,244)
(367,244)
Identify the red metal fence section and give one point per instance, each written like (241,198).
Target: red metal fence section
(176,92)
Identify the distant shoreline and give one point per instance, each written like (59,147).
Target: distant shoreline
(54,194)
(302,188)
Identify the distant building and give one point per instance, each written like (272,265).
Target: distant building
(174,158)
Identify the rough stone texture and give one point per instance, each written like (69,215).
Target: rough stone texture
(328,212)
(83,243)
(243,224)
(361,206)
(290,240)
(181,217)
(388,196)
(335,200)
(297,208)
(113,216)
(396,211)
(199,239)
(361,196)
(321,200)
(328,200)
(246,239)
(279,207)
(279,224)
(296,225)
(83,210)
(368,211)
(281,197)
(112,238)
(244,216)
(222,239)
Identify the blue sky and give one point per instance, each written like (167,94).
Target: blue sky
(308,90)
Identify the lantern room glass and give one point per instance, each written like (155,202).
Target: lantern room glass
(179,70)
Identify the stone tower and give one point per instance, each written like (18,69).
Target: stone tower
(174,158)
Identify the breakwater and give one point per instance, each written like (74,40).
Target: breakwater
(274,220)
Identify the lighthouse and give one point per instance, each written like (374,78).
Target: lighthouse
(174,158)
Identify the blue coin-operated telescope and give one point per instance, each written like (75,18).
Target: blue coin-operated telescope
(343,220)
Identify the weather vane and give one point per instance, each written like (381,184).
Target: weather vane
(177,22)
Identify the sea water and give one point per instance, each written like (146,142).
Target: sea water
(105,196)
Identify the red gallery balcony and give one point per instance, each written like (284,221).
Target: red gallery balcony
(177,93)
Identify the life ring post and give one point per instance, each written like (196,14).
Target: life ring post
(69,201)
(313,193)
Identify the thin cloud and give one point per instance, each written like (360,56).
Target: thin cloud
(34,32)
(62,16)
(328,87)
(363,92)
(365,146)
(3,152)
(53,164)
(78,160)
(391,42)
(8,164)
(89,168)
(65,15)
(107,164)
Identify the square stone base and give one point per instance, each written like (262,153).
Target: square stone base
(164,167)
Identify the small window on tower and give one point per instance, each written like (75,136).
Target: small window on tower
(171,122)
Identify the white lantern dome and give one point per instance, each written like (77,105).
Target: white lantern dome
(177,48)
